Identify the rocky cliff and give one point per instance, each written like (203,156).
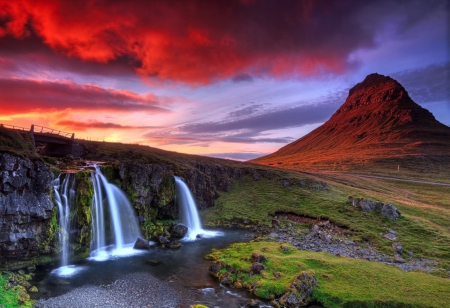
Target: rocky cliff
(26,208)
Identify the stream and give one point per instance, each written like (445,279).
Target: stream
(184,269)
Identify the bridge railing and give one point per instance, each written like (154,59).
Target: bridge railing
(47,130)
(13,127)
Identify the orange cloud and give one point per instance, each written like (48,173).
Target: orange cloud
(27,95)
(198,42)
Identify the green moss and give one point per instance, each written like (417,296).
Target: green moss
(14,294)
(83,202)
(342,282)
(166,190)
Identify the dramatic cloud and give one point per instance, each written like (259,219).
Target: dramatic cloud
(198,42)
(25,95)
(272,119)
(83,126)
(427,84)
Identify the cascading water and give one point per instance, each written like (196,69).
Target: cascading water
(64,198)
(123,229)
(189,212)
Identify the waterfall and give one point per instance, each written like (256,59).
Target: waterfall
(189,212)
(64,198)
(122,230)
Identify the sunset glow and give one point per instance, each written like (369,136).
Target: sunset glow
(233,79)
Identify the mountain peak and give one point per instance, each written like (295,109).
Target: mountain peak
(377,120)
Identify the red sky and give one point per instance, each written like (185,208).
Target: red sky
(152,71)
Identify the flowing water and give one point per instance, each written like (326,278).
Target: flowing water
(184,269)
(114,224)
(64,199)
(189,213)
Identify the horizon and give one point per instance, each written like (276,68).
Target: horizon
(212,78)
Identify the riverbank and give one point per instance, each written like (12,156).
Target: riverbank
(131,290)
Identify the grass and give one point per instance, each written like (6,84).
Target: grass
(421,229)
(342,282)
(13,142)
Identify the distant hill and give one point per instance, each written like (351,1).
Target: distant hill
(378,127)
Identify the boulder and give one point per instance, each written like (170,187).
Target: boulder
(179,230)
(370,206)
(355,201)
(390,212)
(141,244)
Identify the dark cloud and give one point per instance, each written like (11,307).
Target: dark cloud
(25,95)
(271,120)
(242,78)
(246,111)
(428,84)
(200,42)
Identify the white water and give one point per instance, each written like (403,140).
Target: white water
(189,213)
(64,198)
(117,237)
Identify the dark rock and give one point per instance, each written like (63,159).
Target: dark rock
(253,303)
(398,248)
(174,245)
(258,257)
(163,240)
(398,259)
(370,206)
(141,244)
(214,269)
(179,230)
(390,212)
(275,222)
(355,201)
(256,268)
(199,236)
(226,278)
(285,182)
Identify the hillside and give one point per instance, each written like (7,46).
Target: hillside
(378,127)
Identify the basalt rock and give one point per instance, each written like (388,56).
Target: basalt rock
(25,208)
(141,244)
(179,230)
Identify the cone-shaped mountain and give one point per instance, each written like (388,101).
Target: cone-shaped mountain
(378,120)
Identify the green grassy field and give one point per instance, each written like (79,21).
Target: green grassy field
(342,282)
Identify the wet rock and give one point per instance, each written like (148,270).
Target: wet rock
(179,230)
(214,269)
(199,236)
(141,244)
(174,245)
(390,212)
(253,303)
(163,240)
(226,278)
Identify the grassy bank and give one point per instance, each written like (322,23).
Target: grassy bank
(422,228)
(341,282)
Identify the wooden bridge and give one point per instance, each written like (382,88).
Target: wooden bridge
(50,141)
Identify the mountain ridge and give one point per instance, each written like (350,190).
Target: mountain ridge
(378,120)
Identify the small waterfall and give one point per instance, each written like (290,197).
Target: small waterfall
(123,229)
(189,212)
(65,199)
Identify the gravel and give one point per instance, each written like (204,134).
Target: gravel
(131,290)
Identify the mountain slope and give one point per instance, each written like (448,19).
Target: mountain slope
(377,122)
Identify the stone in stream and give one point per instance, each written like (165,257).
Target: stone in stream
(163,240)
(141,244)
(179,230)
